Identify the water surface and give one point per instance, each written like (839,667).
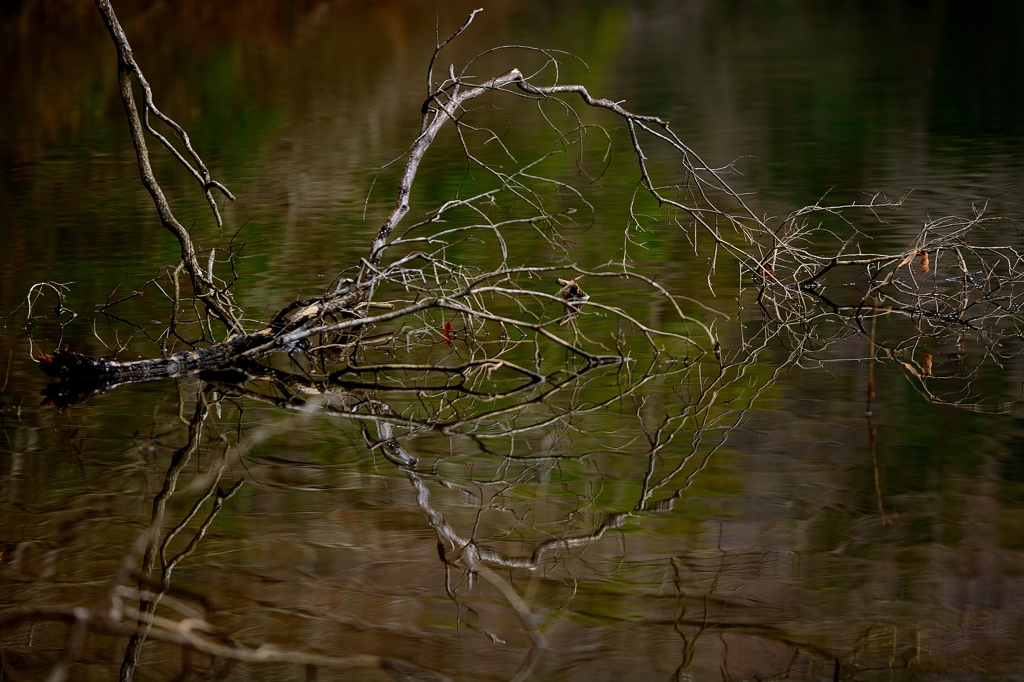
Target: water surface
(793,536)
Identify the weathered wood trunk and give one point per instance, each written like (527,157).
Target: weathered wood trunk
(68,365)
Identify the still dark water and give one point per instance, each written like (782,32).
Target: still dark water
(796,538)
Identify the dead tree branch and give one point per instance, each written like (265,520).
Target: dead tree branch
(216,299)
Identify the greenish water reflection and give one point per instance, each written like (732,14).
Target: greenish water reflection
(783,555)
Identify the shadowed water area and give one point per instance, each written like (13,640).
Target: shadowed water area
(810,500)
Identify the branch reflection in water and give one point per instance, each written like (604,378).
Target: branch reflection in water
(537,549)
(522,468)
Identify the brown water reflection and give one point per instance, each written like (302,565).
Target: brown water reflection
(773,535)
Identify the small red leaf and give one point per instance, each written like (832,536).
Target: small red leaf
(449,334)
